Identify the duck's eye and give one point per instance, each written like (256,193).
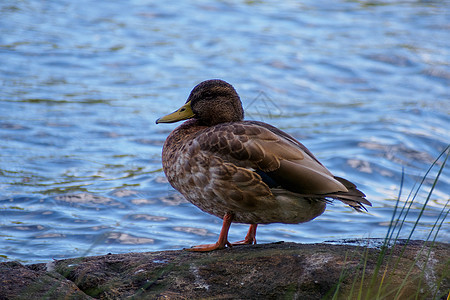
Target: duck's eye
(182,109)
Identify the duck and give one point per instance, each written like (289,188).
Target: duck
(245,171)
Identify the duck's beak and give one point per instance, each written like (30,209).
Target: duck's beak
(183,113)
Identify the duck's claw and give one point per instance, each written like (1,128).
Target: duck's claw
(210,247)
(250,238)
(244,242)
(223,237)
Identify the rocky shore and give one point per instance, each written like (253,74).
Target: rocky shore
(264,271)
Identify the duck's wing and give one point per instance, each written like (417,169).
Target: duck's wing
(279,159)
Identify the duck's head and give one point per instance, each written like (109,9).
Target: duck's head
(211,102)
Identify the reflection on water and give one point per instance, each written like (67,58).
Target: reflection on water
(365,87)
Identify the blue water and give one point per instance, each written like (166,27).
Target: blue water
(364,85)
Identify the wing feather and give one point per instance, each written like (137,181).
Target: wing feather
(264,148)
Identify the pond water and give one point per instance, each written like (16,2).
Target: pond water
(363,84)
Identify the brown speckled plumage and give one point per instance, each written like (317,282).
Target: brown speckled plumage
(248,170)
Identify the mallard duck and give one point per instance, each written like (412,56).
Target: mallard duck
(245,171)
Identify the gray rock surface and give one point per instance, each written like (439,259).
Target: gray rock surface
(266,271)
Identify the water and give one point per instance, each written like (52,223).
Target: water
(365,85)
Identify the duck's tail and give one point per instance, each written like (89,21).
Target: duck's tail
(354,197)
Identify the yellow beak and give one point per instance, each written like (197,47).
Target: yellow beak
(183,113)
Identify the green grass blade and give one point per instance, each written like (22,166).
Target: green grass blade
(432,244)
(417,191)
(416,223)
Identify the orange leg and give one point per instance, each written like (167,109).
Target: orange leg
(223,237)
(250,238)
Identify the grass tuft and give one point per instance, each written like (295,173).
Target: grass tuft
(381,284)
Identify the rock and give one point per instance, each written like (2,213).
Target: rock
(266,271)
(31,282)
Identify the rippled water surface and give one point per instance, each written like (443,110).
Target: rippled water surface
(364,85)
